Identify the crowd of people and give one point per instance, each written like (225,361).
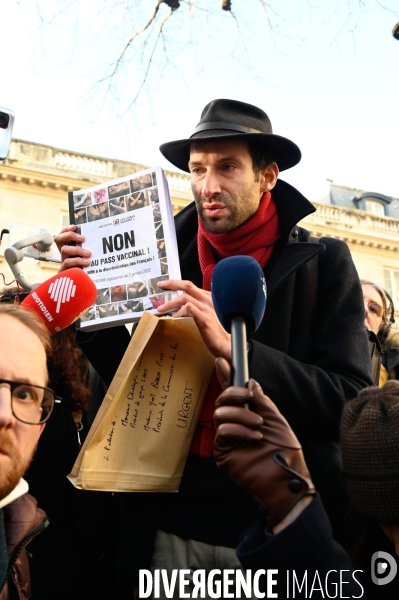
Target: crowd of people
(308,472)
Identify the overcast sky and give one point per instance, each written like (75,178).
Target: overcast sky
(333,92)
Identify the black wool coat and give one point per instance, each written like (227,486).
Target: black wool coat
(310,353)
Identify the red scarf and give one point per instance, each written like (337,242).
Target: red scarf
(254,238)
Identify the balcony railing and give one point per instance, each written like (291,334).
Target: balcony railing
(351,219)
(74,162)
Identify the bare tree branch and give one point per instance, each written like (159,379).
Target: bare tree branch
(144,80)
(203,28)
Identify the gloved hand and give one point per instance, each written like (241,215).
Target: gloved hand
(259,449)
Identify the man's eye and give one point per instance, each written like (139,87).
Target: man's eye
(228,167)
(26,393)
(196,171)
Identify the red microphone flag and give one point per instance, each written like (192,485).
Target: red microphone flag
(59,301)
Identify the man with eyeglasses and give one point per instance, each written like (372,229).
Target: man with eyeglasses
(25,405)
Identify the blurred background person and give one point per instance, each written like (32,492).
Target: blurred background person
(384,340)
(370,453)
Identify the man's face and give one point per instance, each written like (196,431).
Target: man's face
(22,358)
(224,185)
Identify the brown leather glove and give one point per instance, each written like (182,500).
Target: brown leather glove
(260,451)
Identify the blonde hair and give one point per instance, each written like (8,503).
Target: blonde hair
(30,320)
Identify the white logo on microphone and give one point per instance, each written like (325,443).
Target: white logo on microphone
(61,291)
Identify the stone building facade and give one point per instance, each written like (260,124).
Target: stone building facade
(35,181)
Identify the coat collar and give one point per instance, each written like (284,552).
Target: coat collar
(292,207)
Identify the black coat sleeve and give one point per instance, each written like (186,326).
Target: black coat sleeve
(303,552)
(311,391)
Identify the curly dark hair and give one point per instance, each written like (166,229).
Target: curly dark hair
(68,368)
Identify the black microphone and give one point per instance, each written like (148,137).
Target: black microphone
(239,299)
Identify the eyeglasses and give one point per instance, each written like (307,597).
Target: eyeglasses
(31,404)
(14,297)
(374,308)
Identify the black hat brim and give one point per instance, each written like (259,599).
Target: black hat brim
(280,149)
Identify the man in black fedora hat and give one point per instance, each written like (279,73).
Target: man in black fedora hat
(310,353)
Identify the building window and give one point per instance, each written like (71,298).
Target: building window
(376,204)
(376,208)
(391,284)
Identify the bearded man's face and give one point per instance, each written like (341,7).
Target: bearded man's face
(226,190)
(22,358)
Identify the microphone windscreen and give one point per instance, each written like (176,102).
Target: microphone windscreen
(239,289)
(59,301)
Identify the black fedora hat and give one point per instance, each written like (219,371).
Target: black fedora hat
(233,119)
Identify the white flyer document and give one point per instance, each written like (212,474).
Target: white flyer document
(129,228)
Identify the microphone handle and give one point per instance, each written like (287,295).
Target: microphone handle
(239,356)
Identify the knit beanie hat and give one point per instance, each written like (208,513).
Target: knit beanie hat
(370,452)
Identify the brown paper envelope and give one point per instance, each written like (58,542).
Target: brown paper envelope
(141,439)
(143,333)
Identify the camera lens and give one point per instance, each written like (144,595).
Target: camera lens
(4,120)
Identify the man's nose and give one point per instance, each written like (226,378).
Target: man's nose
(210,184)
(6,416)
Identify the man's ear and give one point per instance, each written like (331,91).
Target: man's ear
(268,177)
(42,426)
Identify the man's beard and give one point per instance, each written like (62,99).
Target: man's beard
(10,476)
(241,205)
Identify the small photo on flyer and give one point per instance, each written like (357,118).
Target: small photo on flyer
(154,195)
(130,306)
(118,293)
(100,196)
(156,211)
(82,200)
(164,266)
(161,248)
(103,296)
(95,212)
(137,289)
(152,283)
(89,315)
(137,200)
(157,301)
(107,310)
(118,189)
(117,206)
(159,231)
(80,216)
(141,183)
